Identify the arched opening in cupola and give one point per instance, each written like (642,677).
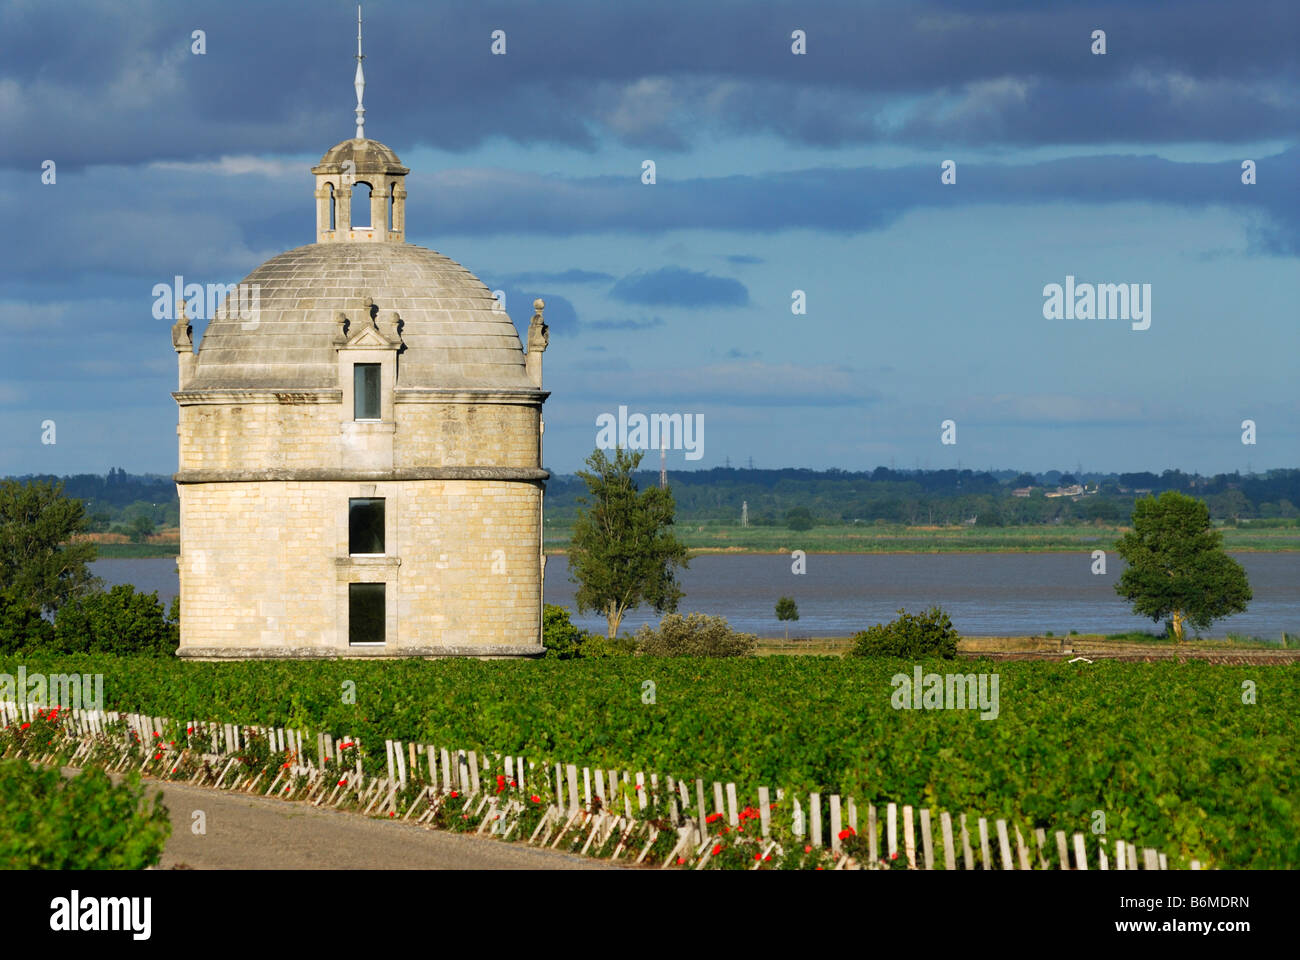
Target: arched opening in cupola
(361,205)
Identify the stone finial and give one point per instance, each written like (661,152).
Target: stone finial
(343,322)
(370,311)
(183,342)
(538,332)
(182,330)
(538,339)
(392,326)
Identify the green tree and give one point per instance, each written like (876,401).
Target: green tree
(1177,568)
(141,529)
(800,518)
(622,553)
(118,621)
(41,565)
(787,610)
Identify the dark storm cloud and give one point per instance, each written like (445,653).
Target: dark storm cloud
(127,232)
(97,83)
(679,287)
(561,316)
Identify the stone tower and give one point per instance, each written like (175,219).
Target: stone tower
(360,447)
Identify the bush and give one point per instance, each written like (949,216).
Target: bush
(563,641)
(22,628)
(695,635)
(929,634)
(598,645)
(82,823)
(799,519)
(118,621)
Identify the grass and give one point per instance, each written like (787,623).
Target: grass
(712,537)
(135,551)
(836,646)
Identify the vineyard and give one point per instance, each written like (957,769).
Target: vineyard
(1173,755)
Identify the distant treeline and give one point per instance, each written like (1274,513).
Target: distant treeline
(122,501)
(119,501)
(944,496)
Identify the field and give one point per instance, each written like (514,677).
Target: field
(732,538)
(721,538)
(1168,752)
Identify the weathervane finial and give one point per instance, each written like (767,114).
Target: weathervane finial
(359,82)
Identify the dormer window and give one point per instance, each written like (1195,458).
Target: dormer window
(366,391)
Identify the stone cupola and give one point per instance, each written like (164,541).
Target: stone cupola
(346,166)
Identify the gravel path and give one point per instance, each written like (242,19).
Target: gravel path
(257,833)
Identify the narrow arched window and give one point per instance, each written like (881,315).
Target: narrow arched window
(331,186)
(392,189)
(361,205)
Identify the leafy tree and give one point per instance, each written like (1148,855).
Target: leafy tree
(800,518)
(622,553)
(141,529)
(22,628)
(40,563)
(119,621)
(1177,567)
(787,610)
(929,634)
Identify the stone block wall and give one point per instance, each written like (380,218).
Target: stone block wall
(264,567)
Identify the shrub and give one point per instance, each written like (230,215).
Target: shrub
(695,635)
(565,641)
(82,823)
(929,634)
(22,628)
(560,637)
(799,519)
(118,621)
(598,645)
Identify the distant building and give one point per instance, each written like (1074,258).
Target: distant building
(1021,491)
(1076,490)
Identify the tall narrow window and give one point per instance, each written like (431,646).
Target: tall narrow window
(332,227)
(365,526)
(361,205)
(365,391)
(365,613)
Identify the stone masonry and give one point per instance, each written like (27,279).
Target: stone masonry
(274,445)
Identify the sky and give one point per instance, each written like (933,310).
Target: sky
(780,177)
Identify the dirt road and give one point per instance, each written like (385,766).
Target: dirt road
(256,833)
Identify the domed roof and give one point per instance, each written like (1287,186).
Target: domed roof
(368,156)
(455,334)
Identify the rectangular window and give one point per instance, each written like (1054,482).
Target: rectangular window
(365,613)
(365,526)
(365,391)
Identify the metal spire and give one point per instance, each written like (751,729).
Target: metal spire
(359,82)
